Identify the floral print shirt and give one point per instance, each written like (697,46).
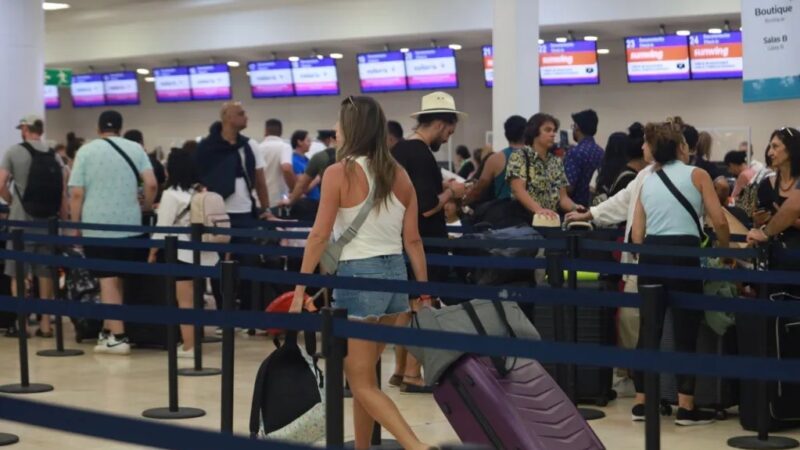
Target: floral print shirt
(544,177)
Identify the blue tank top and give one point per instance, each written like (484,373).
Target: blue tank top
(665,215)
(501,187)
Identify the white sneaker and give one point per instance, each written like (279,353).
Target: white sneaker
(102,338)
(624,388)
(185,354)
(113,346)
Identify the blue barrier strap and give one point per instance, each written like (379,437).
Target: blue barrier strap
(162,315)
(787,253)
(107,265)
(258,233)
(25,224)
(685,273)
(242,249)
(610,246)
(94,242)
(532,244)
(756,306)
(485,262)
(582,354)
(124,429)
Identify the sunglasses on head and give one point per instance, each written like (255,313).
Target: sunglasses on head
(788,131)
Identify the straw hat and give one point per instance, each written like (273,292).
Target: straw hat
(438,102)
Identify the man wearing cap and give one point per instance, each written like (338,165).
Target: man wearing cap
(112,183)
(16,167)
(581,162)
(436,122)
(312,177)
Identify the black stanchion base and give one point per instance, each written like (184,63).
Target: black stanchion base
(591,414)
(56,353)
(166,413)
(211,339)
(8,439)
(753,442)
(33,388)
(204,372)
(387,444)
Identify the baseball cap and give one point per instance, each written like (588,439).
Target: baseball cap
(29,120)
(110,120)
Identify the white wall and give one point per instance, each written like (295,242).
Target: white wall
(705,104)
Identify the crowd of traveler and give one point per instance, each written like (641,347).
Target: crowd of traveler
(654,181)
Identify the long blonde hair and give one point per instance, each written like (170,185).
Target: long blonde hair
(364,131)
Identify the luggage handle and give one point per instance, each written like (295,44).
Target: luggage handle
(498,362)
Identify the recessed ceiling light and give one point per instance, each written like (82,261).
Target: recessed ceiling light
(294,58)
(603,51)
(404,50)
(143,71)
(715,30)
(561,40)
(455,46)
(740,28)
(683,32)
(233,63)
(51,6)
(336,55)
(590,38)
(541,41)
(149,79)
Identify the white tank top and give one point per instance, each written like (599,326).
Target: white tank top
(381,233)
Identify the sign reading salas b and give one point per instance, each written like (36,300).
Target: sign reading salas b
(771,35)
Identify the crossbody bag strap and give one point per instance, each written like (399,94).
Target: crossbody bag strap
(498,362)
(619,177)
(126,157)
(351,231)
(683,201)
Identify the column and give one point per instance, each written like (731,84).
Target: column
(515,37)
(22,62)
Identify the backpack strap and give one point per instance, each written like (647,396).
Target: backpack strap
(498,362)
(258,397)
(684,202)
(126,157)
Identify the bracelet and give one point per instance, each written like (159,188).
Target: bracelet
(764,230)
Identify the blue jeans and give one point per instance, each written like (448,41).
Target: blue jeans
(362,304)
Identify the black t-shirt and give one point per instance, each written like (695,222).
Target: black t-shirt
(415,156)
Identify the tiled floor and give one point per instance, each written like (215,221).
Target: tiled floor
(129,385)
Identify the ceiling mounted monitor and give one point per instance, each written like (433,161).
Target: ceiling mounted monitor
(565,63)
(51,97)
(87,90)
(431,68)
(315,76)
(271,79)
(657,58)
(210,82)
(172,84)
(121,88)
(382,72)
(488,65)
(716,56)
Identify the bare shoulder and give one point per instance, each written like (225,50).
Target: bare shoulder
(403,188)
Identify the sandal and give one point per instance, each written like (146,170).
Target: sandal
(409,388)
(42,334)
(396,380)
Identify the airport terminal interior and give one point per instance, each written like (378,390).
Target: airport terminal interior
(453,131)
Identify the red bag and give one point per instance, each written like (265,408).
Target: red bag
(284,302)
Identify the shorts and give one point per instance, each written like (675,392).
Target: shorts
(369,304)
(119,254)
(36,270)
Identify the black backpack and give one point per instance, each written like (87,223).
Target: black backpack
(43,194)
(286,386)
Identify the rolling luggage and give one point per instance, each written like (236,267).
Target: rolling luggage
(783,342)
(147,290)
(82,287)
(523,410)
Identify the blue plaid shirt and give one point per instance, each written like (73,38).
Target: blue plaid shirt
(580,163)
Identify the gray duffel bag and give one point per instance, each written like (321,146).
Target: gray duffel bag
(495,317)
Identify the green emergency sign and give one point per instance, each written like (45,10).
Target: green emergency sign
(57,77)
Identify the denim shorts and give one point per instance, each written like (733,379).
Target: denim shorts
(364,304)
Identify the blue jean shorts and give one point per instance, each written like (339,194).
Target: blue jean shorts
(364,304)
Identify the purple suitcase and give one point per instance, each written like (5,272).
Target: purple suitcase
(525,410)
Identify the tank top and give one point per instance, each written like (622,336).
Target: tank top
(501,188)
(665,215)
(382,231)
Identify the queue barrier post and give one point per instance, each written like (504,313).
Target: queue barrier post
(555,277)
(59,351)
(230,279)
(571,329)
(25,386)
(198,289)
(8,439)
(334,350)
(652,310)
(762,440)
(173,411)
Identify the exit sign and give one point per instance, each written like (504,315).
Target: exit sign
(57,77)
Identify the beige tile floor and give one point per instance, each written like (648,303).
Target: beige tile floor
(129,385)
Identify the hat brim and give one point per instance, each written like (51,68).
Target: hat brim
(19,127)
(440,111)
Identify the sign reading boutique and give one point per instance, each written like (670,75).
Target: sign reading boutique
(771,49)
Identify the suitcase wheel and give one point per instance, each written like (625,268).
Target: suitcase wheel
(602,401)
(722,414)
(470,381)
(666,409)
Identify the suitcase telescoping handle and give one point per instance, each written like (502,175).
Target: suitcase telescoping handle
(498,362)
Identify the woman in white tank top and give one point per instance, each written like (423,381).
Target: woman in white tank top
(375,252)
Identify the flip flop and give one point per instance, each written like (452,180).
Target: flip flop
(408,388)
(396,380)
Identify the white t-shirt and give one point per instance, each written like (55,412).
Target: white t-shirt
(240,201)
(275,152)
(316,147)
